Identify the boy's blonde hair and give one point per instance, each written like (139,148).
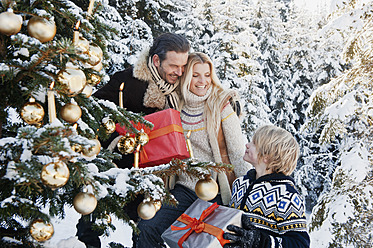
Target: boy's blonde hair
(278,147)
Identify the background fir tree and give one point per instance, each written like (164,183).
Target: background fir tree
(341,109)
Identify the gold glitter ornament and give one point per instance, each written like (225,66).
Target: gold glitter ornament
(41,231)
(93,79)
(85,203)
(73,78)
(71,113)
(81,45)
(55,174)
(126,144)
(41,29)
(10,23)
(32,112)
(157,205)
(95,55)
(206,189)
(93,150)
(146,210)
(142,138)
(109,125)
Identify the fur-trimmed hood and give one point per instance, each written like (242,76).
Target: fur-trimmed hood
(153,97)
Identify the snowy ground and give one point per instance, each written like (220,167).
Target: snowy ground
(65,230)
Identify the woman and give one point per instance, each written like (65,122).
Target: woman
(206,112)
(215,127)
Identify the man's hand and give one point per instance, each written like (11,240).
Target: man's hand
(246,237)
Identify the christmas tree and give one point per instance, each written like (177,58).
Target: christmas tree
(53,55)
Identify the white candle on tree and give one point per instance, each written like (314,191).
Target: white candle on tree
(51,104)
(121,95)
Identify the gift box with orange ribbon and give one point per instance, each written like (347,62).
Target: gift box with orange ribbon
(202,225)
(166,139)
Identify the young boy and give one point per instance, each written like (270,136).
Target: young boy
(274,209)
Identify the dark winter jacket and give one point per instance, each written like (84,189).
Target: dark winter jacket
(140,95)
(274,206)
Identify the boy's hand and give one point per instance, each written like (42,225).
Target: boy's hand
(246,237)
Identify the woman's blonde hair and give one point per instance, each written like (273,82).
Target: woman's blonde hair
(216,100)
(278,147)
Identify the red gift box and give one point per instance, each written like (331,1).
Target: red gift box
(166,139)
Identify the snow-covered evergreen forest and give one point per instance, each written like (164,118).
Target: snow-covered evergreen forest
(308,70)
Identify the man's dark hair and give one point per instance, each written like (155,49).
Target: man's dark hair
(169,42)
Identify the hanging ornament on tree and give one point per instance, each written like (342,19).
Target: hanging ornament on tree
(157,205)
(142,138)
(109,125)
(73,78)
(126,144)
(93,151)
(93,79)
(55,174)
(71,113)
(85,203)
(41,231)
(95,55)
(32,112)
(206,189)
(87,91)
(146,210)
(10,23)
(41,29)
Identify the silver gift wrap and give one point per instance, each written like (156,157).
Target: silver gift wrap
(221,217)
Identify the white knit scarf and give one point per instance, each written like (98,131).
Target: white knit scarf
(167,89)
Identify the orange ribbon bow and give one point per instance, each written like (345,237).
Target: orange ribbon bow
(199,226)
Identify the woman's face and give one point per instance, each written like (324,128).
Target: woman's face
(201,79)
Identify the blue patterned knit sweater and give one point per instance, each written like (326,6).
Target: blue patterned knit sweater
(274,206)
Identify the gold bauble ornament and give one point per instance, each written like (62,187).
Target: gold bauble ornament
(55,174)
(146,210)
(93,150)
(81,45)
(109,125)
(142,138)
(93,79)
(95,55)
(73,78)
(85,203)
(126,144)
(206,189)
(71,113)
(87,91)
(157,205)
(40,230)
(41,29)
(32,113)
(10,23)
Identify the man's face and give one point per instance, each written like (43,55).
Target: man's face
(172,67)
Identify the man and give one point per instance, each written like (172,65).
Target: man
(150,85)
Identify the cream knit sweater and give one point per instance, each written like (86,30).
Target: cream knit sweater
(206,149)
